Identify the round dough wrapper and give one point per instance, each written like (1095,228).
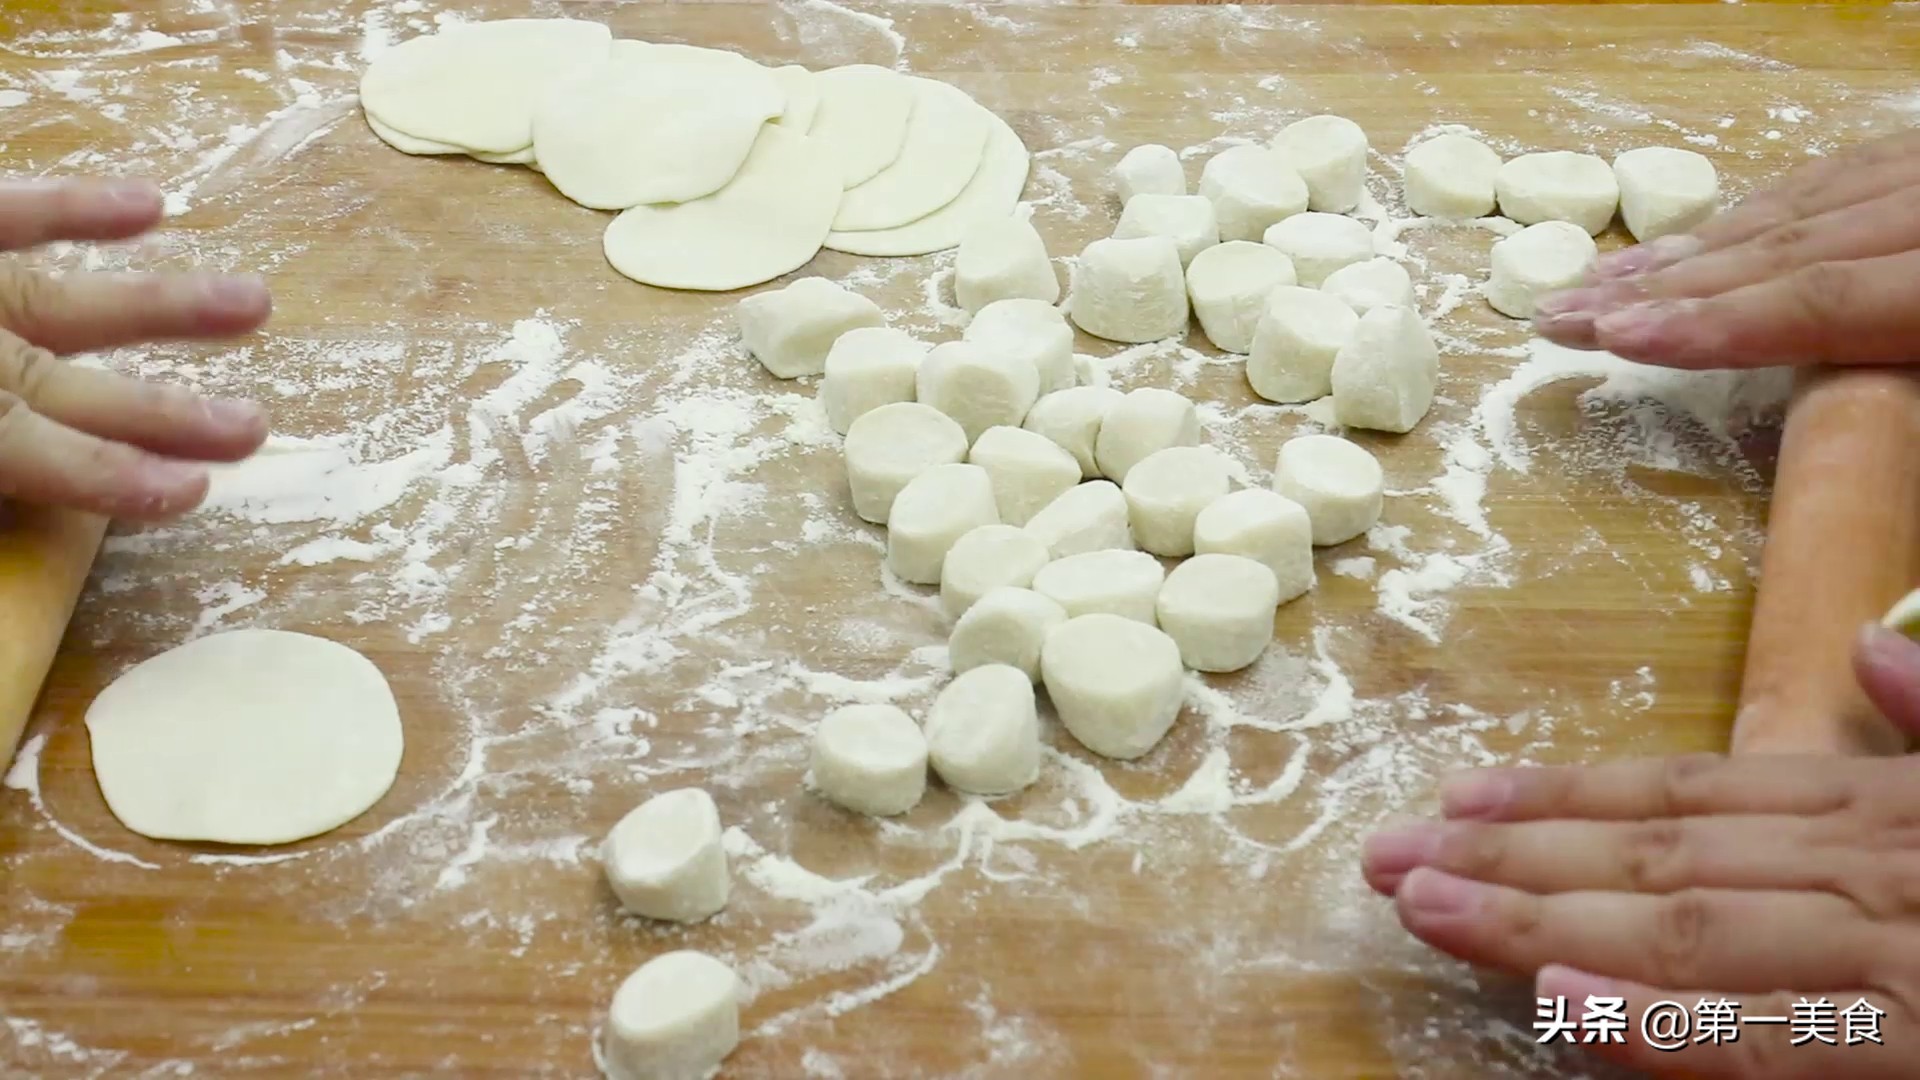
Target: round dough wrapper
(945,141)
(992,193)
(862,118)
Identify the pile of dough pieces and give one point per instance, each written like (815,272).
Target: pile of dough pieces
(725,173)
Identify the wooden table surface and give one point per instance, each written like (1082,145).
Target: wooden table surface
(616,558)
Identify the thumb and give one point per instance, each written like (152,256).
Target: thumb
(1887,663)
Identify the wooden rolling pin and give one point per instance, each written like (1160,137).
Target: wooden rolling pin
(44,558)
(1843,543)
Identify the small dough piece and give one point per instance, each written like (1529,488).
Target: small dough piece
(1451,176)
(1008,626)
(1330,154)
(1167,490)
(1122,583)
(1144,421)
(985,559)
(1091,517)
(1338,483)
(1149,170)
(889,446)
(1116,683)
(867,367)
(1320,243)
(1536,261)
(946,138)
(979,387)
(861,121)
(1219,610)
(871,759)
(931,513)
(664,859)
(1228,285)
(1030,330)
(1072,419)
(1558,185)
(993,193)
(1383,377)
(1251,188)
(803,97)
(1028,470)
(1130,291)
(676,1018)
(983,733)
(1296,342)
(1363,286)
(791,330)
(1265,526)
(1665,190)
(1185,219)
(1003,259)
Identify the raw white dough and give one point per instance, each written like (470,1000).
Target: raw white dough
(1116,683)
(1130,290)
(803,98)
(1330,154)
(1030,330)
(862,119)
(992,193)
(1383,377)
(1251,188)
(1091,517)
(791,330)
(1538,260)
(871,759)
(245,737)
(1320,243)
(983,734)
(1665,190)
(1007,626)
(1558,185)
(1229,284)
(1072,419)
(1145,420)
(1295,343)
(889,446)
(1004,259)
(985,559)
(1149,170)
(1219,610)
(676,1018)
(1167,490)
(664,859)
(1364,286)
(1451,176)
(1338,483)
(407,144)
(1122,583)
(867,367)
(1265,526)
(977,386)
(946,139)
(933,511)
(1187,220)
(1028,470)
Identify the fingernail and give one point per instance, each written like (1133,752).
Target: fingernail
(1431,892)
(1560,981)
(1654,255)
(133,193)
(1638,328)
(235,292)
(1475,794)
(1396,851)
(234,414)
(1571,302)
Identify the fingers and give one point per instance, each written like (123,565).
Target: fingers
(1697,785)
(35,212)
(79,312)
(1887,663)
(45,462)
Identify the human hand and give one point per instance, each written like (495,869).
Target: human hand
(83,437)
(1823,267)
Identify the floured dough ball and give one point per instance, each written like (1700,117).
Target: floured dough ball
(1319,244)
(1071,418)
(983,733)
(1145,420)
(1558,185)
(1029,330)
(868,367)
(977,386)
(1149,170)
(1330,154)
(1536,261)
(891,445)
(1167,490)
(1187,220)
(1228,285)
(1251,187)
(664,859)
(871,759)
(1003,259)
(1383,377)
(1122,583)
(1265,526)
(1664,190)
(790,330)
(1336,482)
(1028,470)
(1451,176)
(1364,286)
(985,559)
(931,513)
(1008,626)
(676,1018)
(1091,517)
(1117,683)
(1130,291)
(1295,342)
(1219,610)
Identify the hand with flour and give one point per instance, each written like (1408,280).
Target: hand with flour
(82,437)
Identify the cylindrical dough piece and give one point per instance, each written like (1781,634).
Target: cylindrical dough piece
(1003,259)
(1319,244)
(1167,490)
(676,1018)
(1028,470)
(1251,187)
(1149,170)
(1228,285)
(978,387)
(983,733)
(1219,610)
(891,445)
(1008,626)
(1091,517)
(1664,190)
(1116,683)
(1265,526)
(871,759)
(1146,420)
(1558,185)
(933,511)
(1295,343)
(1338,483)
(1072,419)
(1130,291)
(1538,260)
(987,558)
(1383,377)
(1122,583)
(1185,219)
(1030,330)
(868,367)
(1330,154)
(664,859)
(791,330)
(1363,286)
(1451,176)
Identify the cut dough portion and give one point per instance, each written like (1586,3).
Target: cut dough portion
(1330,154)
(1122,583)
(1072,419)
(862,119)
(1664,190)
(1228,285)
(1030,330)
(1116,683)
(867,367)
(1145,420)
(1364,286)
(1028,470)
(1538,260)
(1130,290)
(664,859)
(1319,244)
(979,387)
(985,559)
(871,759)
(1252,188)
(932,512)
(1451,176)
(1219,610)
(1336,482)
(769,221)
(889,446)
(992,193)
(1558,185)
(1167,490)
(1008,626)
(1295,343)
(1187,220)
(946,139)
(1265,526)
(983,733)
(1004,259)
(791,330)
(1148,170)
(1383,377)
(676,1018)
(1091,517)
(803,98)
